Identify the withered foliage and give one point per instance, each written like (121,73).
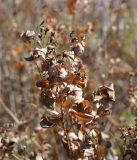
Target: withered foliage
(68,107)
(14,144)
(55,86)
(129,133)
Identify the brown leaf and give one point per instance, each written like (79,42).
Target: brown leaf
(102,111)
(30,58)
(85,106)
(108,91)
(46,98)
(50,120)
(65,105)
(100,150)
(82,118)
(79,83)
(26,37)
(42,83)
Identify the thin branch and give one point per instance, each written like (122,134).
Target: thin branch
(16,157)
(65,132)
(113,120)
(9,111)
(38,69)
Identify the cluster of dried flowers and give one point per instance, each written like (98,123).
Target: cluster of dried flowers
(22,146)
(129,134)
(63,81)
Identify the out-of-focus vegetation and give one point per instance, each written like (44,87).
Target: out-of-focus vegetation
(110,28)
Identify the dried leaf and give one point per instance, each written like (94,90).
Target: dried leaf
(40,52)
(72,136)
(86,104)
(89,152)
(100,150)
(30,58)
(63,73)
(42,83)
(108,91)
(26,37)
(101,111)
(39,157)
(46,98)
(81,135)
(65,105)
(82,118)
(50,120)
(78,49)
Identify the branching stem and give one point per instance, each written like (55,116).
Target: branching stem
(66,134)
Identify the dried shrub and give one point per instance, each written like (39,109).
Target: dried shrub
(129,134)
(63,80)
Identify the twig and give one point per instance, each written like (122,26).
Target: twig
(53,132)
(9,111)
(15,156)
(38,69)
(66,134)
(113,121)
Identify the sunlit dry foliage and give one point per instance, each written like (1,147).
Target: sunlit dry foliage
(56,97)
(63,82)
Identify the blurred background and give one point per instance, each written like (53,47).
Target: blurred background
(110,56)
